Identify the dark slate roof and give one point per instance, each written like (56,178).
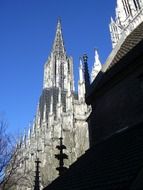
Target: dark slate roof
(114,163)
(126,58)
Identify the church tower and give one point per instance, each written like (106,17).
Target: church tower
(61,113)
(58,71)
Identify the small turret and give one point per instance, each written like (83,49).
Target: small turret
(81,78)
(34,128)
(29,134)
(38,116)
(45,113)
(25,138)
(96,67)
(81,83)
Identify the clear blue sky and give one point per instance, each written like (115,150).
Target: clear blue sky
(27,31)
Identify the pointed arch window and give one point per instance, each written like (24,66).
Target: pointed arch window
(68,66)
(127,7)
(115,31)
(55,70)
(62,75)
(137,4)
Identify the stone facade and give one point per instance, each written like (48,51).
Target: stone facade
(129,14)
(61,112)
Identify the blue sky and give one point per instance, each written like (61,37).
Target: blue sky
(27,31)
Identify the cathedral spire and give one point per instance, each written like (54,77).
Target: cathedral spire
(58,46)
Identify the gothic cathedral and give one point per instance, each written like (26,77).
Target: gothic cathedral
(61,114)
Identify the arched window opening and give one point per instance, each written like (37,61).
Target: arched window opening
(137,4)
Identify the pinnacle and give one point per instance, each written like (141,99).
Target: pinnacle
(59,24)
(58,46)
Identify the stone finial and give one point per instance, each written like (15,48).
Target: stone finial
(112,21)
(81,79)
(25,138)
(97,61)
(61,156)
(29,132)
(96,67)
(85,58)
